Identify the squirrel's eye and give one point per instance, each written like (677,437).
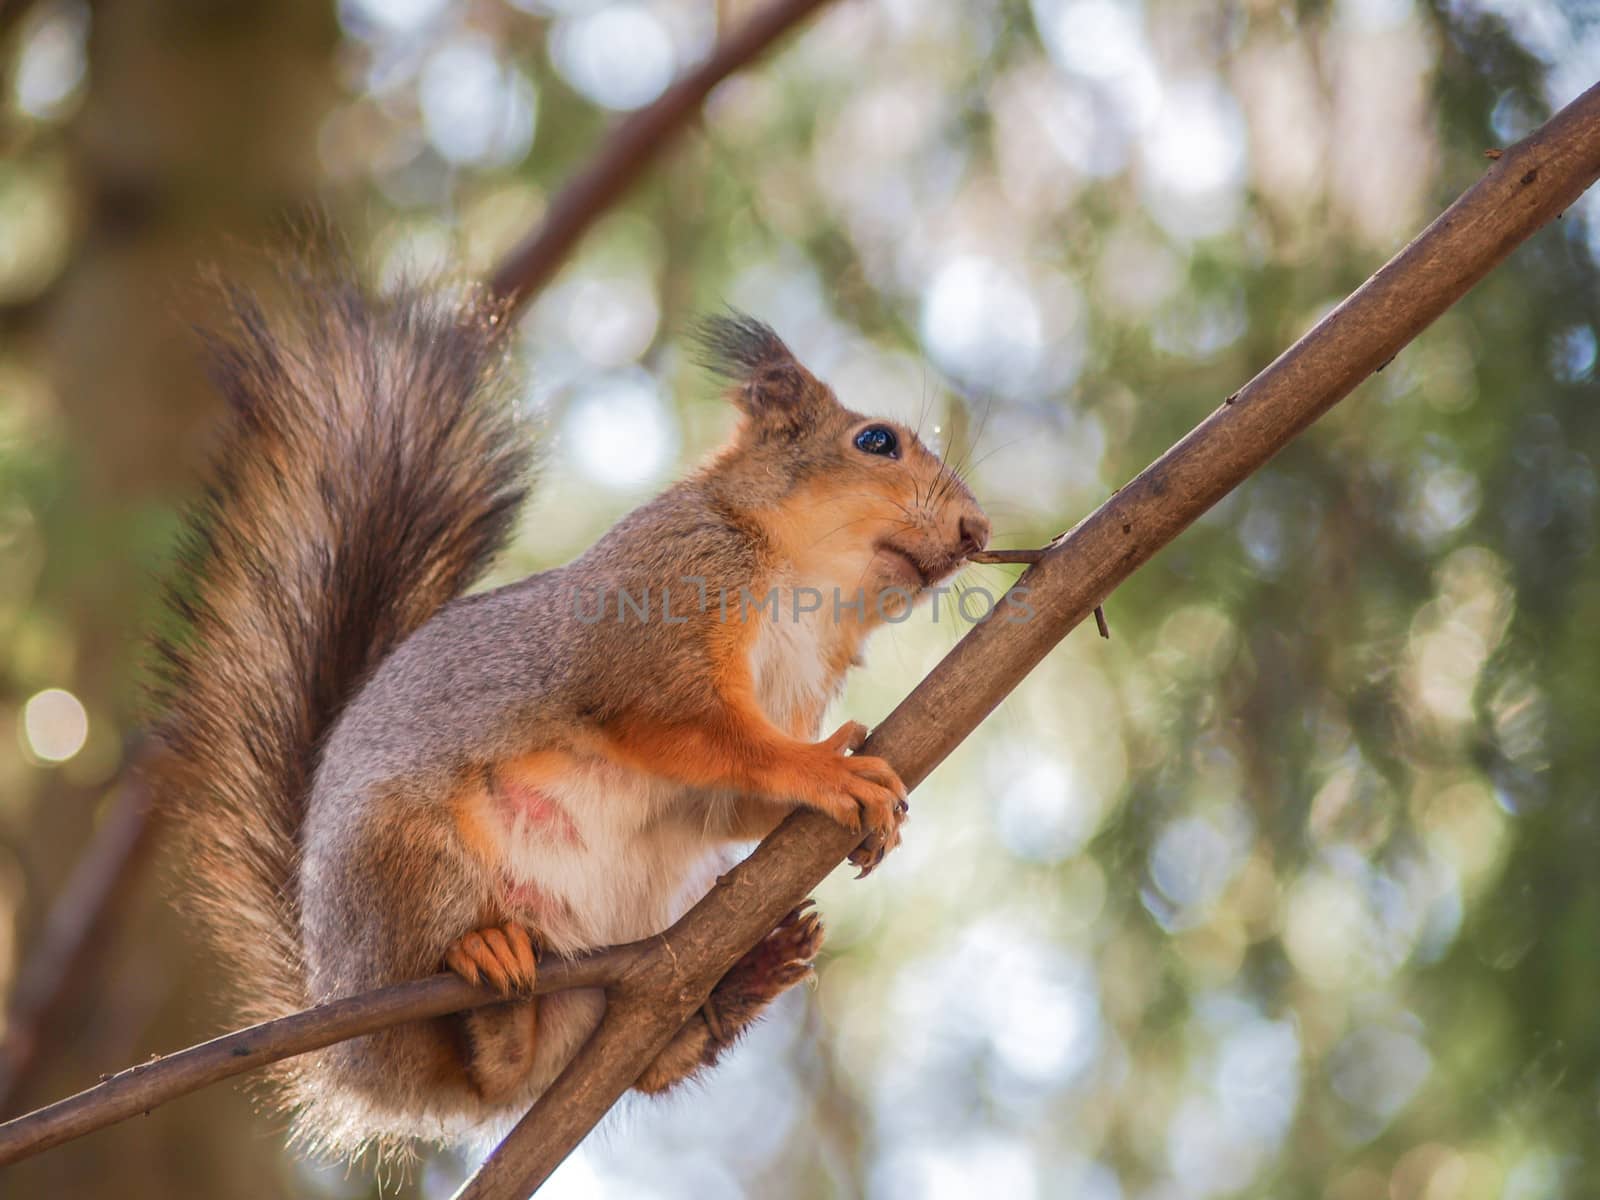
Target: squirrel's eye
(878,439)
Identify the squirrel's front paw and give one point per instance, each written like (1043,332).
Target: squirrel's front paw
(862,793)
(500,955)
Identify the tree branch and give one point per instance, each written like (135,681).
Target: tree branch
(632,147)
(1527,187)
(78,919)
(112,860)
(141,1088)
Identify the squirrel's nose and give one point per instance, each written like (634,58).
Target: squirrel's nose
(974,532)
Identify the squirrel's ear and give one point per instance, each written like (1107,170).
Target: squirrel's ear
(768,382)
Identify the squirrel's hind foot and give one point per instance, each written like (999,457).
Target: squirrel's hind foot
(779,961)
(499,955)
(774,965)
(499,1040)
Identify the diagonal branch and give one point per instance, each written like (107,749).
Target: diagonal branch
(1529,185)
(82,911)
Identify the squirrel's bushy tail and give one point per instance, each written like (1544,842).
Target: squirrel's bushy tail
(373,466)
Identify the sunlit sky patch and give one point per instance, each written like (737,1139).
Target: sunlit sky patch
(1104,42)
(612,319)
(890,385)
(1021,1012)
(1377,1069)
(620,56)
(1194,157)
(362,17)
(980,322)
(54,725)
(475,108)
(1192,860)
(619,433)
(1241,1100)
(53,60)
(1374,16)
(1573,355)
(959,1169)
(1047,811)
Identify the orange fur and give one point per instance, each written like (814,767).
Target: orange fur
(830,539)
(739,748)
(469,809)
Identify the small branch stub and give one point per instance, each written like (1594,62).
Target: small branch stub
(1002,557)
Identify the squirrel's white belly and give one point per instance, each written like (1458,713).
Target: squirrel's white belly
(596,854)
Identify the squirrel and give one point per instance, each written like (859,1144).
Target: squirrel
(379,777)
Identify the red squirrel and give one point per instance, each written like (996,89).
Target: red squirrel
(380,777)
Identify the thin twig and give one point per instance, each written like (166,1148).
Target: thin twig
(1030,557)
(141,1088)
(1528,186)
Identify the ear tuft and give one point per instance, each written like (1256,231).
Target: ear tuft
(738,347)
(768,381)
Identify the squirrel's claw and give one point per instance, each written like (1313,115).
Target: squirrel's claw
(872,796)
(878,843)
(499,955)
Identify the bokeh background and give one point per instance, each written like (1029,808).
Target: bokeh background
(1291,889)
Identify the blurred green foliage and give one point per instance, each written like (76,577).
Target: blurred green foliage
(1288,890)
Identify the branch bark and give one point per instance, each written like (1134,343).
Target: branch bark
(112,860)
(1529,185)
